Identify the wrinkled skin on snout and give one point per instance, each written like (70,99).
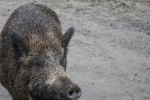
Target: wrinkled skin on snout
(33,56)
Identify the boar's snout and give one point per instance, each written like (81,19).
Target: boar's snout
(73,92)
(56,86)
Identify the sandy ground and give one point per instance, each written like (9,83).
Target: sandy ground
(109,56)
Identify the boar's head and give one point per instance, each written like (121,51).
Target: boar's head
(41,65)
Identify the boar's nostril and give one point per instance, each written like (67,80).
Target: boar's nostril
(74,92)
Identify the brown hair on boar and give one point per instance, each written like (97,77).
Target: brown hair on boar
(33,56)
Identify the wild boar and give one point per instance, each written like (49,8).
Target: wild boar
(33,56)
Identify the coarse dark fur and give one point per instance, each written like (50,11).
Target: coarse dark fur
(33,56)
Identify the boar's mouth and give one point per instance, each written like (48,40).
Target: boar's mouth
(52,98)
(52,94)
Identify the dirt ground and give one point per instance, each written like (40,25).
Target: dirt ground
(109,55)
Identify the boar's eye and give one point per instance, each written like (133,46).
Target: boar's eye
(39,64)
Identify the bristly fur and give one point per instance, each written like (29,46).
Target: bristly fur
(32,50)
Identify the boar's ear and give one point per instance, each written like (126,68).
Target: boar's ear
(66,38)
(19,48)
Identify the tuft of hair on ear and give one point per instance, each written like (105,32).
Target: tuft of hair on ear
(16,42)
(66,38)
